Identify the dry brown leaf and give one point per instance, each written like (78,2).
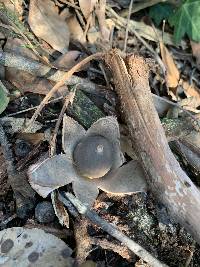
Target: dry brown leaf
(75,29)
(68,60)
(87,6)
(192,102)
(100,12)
(172,75)
(46,23)
(24,81)
(60,210)
(190,89)
(32,138)
(196,51)
(110,24)
(93,35)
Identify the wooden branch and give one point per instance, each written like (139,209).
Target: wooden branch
(166,179)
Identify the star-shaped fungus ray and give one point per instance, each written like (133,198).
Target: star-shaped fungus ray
(92,161)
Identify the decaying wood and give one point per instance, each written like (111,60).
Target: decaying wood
(113,231)
(166,179)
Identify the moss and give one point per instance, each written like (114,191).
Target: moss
(170,124)
(84,110)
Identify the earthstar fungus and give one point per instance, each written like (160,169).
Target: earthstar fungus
(93,160)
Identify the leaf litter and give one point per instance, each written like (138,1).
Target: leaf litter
(69,31)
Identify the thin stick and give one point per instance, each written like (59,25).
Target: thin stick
(132,30)
(128,19)
(68,99)
(81,20)
(61,83)
(70,4)
(113,231)
(89,20)
(32,108)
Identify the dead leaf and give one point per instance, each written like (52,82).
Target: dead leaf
(34,247)
(110,24)
(100,12)
(196,51)
(46,23)
(32,138)
(172,75)
(60,210)
(93,35)
(87,6)
(68,60)
(22,80)
(190,102)
(190,89)
(75,29)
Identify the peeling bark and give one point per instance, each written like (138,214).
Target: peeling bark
(168,182)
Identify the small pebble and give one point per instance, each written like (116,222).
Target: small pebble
(22,148)
(44,212)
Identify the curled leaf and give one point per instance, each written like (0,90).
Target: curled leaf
(172,75)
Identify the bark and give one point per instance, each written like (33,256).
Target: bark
(167,181)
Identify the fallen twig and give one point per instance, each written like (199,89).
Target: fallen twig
(68,99)
(65,77)
(113,231)
(128,19)
(166,179)
(123,251)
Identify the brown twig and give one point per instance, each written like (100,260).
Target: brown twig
(68,99)
(70,4)
(60,83)
(123,251)
(78,14)
(166,179)
(128,19)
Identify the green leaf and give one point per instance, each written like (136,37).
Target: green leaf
(186,20)
(160,12)
(4,99)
